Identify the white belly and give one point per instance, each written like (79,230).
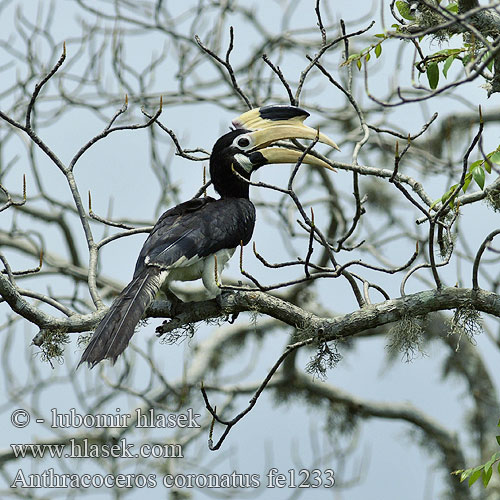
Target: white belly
(196,268)
(187,271)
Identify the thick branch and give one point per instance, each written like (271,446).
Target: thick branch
(331,328)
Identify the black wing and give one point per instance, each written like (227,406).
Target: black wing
(197,228)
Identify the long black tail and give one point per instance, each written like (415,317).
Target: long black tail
(114,332)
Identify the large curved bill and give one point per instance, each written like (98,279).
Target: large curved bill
(284,155)
(272,133)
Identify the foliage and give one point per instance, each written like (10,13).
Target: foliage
(484,471)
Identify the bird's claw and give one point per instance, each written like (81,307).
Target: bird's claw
(233,318)
(221,299)
(174,303)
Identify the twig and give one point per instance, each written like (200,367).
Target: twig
(310,248)
(226,64)
(477,260)
(282,78)
(105,221)
(39,86)
(402,136)
(231,423)
(10,201)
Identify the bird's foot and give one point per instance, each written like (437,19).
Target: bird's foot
(222,302)
(222,297)
(175,306)
(174,302)
(233,318)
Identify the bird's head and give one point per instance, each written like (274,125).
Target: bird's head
(252,144)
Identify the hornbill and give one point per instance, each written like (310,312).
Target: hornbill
(184,241)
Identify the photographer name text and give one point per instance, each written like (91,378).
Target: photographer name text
(140,418)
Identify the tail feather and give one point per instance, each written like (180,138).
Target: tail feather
(114,332)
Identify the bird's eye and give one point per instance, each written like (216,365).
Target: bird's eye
(243,142)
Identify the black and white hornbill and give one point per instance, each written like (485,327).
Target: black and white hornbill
(184,241)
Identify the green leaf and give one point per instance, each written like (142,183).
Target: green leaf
(475,476)
(433,75)
(487,476)
(358,63)
(491,60)
(465,474)
(498,441)
(452,7)
(467,181)
(447,52)
(404,10)
(447,195)
(479,176)
(367,57)
(474,165)
(447,65)
(491,461)
(495,158)
(378,50)
(380,35)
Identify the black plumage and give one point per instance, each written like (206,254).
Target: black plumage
(197,228)
(184,241)
(177,247)
(183,237)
